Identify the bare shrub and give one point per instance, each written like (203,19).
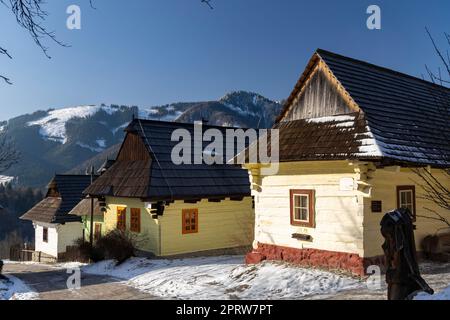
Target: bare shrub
(117,245)
(86,252)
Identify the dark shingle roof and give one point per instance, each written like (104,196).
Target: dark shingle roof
(160,179)
(409,117)
(83,208)
(64,193)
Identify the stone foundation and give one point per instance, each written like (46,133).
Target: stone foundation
(350,262)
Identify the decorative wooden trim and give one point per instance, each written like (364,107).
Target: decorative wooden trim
(408,188)
(312,204)
(216,200)
(192,201)
(191,213)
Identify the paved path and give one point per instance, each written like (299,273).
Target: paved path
(50,284)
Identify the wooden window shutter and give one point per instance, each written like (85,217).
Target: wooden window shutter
(122,218)
(135,220)
(189,221)
(98,231)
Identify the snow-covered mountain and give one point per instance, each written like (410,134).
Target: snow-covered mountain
(58,140)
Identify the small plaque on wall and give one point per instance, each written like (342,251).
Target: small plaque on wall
(377,206)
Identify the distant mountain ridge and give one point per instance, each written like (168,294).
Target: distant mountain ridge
(67,139)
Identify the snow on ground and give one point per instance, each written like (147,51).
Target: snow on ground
(224,277)
(53,126)
(15,289)
(443,295)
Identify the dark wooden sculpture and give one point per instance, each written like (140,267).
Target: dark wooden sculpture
(1,269)
(402,270)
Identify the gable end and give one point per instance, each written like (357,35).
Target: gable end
(318,93)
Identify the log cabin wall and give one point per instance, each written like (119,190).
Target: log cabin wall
(319,98)
(133,149)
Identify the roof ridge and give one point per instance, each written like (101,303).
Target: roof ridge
(72,175)
(186,124)
(320,51)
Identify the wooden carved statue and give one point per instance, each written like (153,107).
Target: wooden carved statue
(402,270)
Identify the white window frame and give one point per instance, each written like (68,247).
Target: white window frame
(300,208)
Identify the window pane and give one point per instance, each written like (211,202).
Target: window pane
(304,214)
(304,201)
(297,214)
(408,197)
(297,201)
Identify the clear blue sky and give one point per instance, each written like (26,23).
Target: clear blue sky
(151,52)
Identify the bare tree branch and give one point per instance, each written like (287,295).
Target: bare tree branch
(438,51)
(31,16)
(7,80)
(5,52)
(436,190)
(208,3)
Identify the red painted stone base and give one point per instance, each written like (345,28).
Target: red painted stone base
(313,258)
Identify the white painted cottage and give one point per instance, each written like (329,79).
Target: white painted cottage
(55,228)
(351,136)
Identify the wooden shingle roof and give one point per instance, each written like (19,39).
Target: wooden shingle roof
(64,193)
(83,208)
(159,179)
(337,137)
(408,117)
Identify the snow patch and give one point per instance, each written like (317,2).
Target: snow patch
(224,277)
(443,295)
(153,114)
(123,126)
(239,110)
(101,143)
(93,149)
(6,179)
(15,289)
(331,119)
(53,126)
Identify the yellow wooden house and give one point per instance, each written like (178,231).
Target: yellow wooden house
(173,209)
(351,136)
